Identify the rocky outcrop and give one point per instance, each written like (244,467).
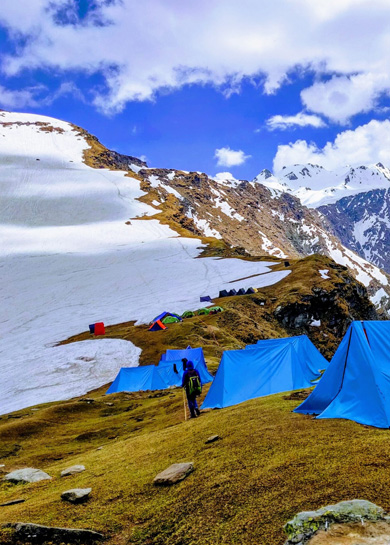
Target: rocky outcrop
(26,532)
(304,525)
(26,475)
(173,474)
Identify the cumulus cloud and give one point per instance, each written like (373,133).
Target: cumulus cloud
(284,122)
(141,47)
(366,144)
(342,97)
(227,157)
(18,98)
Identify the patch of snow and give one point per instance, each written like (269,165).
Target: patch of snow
(135,168)
(378,296)
(324,273)
(173,191)
(315,323)
(156,203)
(269,248)
(171,175)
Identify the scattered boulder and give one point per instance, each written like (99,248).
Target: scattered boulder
(76,495)
(304,525)
(26,475)
(212,439)
(72,470)
(36,533)
(12,502)
(174,474)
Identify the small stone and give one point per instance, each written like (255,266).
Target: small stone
(72,470)
(76,495)
(174,474)
(109,404)
(26,475)
(12,502)
(99,448)
(86,400)
(212,439)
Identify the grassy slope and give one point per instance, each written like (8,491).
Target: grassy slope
(270,464)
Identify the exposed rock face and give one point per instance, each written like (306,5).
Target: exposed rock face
(76,495)
(26,532)
(304,525)
(362,224)
(72,470)
(26,475)
(174,474)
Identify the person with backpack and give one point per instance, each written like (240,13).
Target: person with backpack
(193,387)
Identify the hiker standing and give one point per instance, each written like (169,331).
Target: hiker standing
(193,386)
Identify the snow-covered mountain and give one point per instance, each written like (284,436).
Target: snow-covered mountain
(78,245)
(261,220)
(315,186)
(355,201)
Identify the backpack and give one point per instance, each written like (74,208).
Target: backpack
(194,386)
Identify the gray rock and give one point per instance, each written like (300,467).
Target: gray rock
(35,533)
(12,502)
(26,475)
(174,474)
(212,439)
(76,495)
(72,470)
(304,525)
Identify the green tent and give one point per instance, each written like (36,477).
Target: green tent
(170,320)
(203,311)
(214,310)
(187,314)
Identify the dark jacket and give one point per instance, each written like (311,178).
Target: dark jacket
(190,372)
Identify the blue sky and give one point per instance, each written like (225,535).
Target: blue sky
(208,86)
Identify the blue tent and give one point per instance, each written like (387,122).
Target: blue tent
(164,314)
(174,357)
(356,385)
(205,298)
(136,379)
(270,367)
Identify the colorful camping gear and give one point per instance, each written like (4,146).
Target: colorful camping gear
(137,379)
(223,293)
(249,291)
(269,367)
(241,291)
(202,311)
(158,323)
(356,385)
(214,310)
(232,292)
(170,320)
(99,329)
(187,314)
(195,355)
(92,328)
(157,326)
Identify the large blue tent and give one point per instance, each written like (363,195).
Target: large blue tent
(171,361)
(269,367)
(136,379)
(356,385)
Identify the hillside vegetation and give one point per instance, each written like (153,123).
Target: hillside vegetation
(269,464)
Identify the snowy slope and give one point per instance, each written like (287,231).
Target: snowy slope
(68,259)
(315,186)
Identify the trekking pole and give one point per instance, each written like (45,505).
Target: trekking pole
(185,408)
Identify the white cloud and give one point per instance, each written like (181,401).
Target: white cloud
(222,176)
(17,99)
(142,47)
(227,157)
(342,97)
(283,122)
(366,144)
